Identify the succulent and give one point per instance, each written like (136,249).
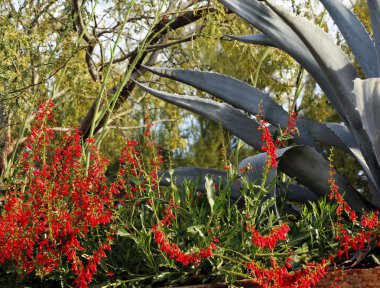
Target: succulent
(355,100)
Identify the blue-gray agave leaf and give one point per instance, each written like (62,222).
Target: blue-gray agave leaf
(233,91)
(247,98)
(311,169)
(292,192)
(268,22)
(296,193)
(259,39)
(338,135)
(368,95)
(250,99)
(355,35)
(230,118)
(339,70)
(256,172)
(332,60)
(374,11)
(258,164)
(346,137)
(179,175)
(368,104)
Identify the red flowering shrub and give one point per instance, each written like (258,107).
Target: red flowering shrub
(280,276)
(172,249)
(58,212)
(140,165)
(54,206)
(366,230)
(351,234)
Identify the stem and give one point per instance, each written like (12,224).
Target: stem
(257,72)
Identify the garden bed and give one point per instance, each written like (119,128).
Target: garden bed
(352,278)
(363,278)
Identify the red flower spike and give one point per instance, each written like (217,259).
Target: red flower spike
(277,234)
(172,249)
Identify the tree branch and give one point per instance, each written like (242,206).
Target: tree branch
(159,30)
(91,41)
(151,48)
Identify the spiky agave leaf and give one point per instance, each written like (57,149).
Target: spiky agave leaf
(179,175)
(368,95)
(230,118)
(331,62)
(374,11)
(303,163)
(259,39)
(310,169)
(355,35)
(284,38)
(339,70)
(296,193)
(334,64)
(246,129)
(368,91)
(250,99)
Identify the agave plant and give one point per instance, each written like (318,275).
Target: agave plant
(356,100)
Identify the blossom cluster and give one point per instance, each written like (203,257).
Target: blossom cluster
(269,145)
(277,234)
(292,121)
(334,194)
(172,249)
(280,276)
(54,205)
(140,167)
(369,223)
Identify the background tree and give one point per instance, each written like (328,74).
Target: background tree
(84,55)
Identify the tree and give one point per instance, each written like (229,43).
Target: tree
(85,56)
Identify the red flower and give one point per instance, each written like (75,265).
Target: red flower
(172,249)
(277,234)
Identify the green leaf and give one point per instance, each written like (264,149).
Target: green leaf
(376,259)
(210,191)
(123,233)
(196,230)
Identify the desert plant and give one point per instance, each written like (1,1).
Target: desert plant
(356,100)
